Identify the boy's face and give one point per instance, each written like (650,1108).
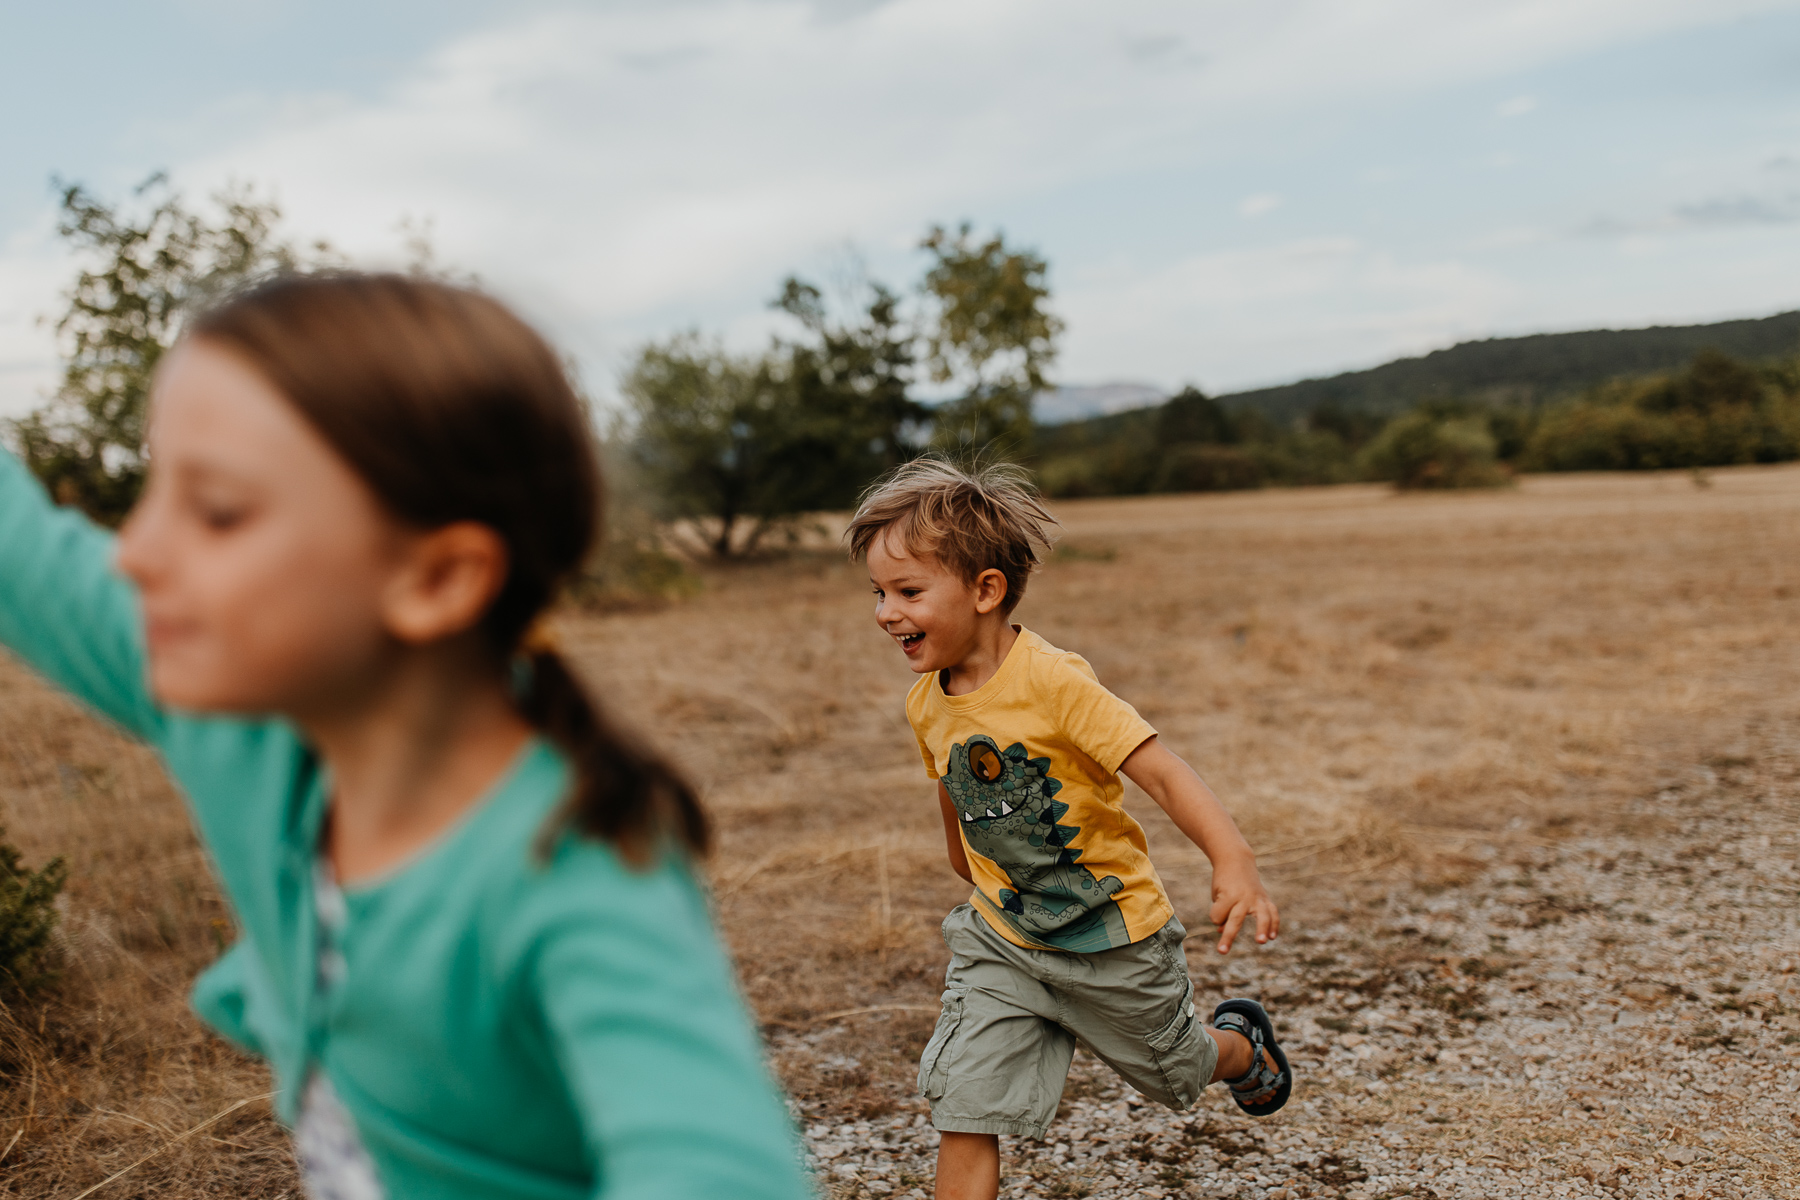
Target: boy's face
(933,613)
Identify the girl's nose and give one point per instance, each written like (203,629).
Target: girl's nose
(136,556)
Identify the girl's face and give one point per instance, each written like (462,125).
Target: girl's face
(268,569)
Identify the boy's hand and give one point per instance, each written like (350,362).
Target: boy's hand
(1239,895)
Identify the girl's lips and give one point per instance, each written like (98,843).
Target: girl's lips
(159,632)
(911,644)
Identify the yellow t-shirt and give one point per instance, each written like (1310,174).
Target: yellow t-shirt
(1031,761)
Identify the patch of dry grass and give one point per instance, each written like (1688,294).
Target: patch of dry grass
(1369,680)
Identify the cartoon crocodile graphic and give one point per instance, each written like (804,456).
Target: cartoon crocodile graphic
(1010,816)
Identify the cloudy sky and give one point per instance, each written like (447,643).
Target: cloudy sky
(1229,193)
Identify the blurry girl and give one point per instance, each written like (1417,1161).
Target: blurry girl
(473,947)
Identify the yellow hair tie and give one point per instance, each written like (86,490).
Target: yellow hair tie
(541,638)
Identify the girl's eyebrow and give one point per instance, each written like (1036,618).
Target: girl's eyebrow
(202,471)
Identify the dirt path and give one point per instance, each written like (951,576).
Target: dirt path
(1615,1014)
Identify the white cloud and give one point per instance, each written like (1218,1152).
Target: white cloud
(1244,318)
(619,171)
(1518,106)
(1258,204)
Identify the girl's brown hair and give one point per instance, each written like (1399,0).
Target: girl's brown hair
(453,409)
(971,520)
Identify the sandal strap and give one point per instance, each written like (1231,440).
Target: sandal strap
(1262,1077)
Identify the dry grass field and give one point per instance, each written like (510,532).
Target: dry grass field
(1389,691)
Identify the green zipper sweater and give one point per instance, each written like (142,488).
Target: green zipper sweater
(507,1025)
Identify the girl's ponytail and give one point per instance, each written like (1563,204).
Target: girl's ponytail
(453,409)
(622,793)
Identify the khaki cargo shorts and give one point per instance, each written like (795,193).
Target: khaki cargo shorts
(1000,1054)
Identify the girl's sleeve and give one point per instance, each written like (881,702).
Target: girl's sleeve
(64,609)
(657,1048)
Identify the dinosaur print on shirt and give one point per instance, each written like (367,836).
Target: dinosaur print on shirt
(1007,804)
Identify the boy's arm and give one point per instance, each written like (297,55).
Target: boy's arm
(1238,892)
(953,843)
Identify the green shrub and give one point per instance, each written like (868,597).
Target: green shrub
(1121,468)
(1594,436)
(1203,468)
(1425,450)
(1716,413)
(1602,437)
(27,915)
(1302,457)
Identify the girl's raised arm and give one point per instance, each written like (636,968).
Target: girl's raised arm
(64,609)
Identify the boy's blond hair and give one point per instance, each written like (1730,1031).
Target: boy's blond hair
(970,519)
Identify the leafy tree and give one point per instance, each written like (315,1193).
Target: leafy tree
(808,423)
(851,386)
(1190,415)
(715,434)
(150,269)
(990,336)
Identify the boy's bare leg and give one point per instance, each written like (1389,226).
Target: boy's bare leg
(1235,1054)
(968,1166)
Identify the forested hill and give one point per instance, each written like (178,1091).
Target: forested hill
(1533,369)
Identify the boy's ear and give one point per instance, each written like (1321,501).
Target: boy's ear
(990,591)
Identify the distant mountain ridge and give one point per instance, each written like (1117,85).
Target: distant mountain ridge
(1078,401)
(1515,370)
(1524,370)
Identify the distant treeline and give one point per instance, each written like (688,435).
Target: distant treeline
(1714,411)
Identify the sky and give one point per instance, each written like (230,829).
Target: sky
(1229,194)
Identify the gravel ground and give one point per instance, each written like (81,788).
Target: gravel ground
(1596,1014)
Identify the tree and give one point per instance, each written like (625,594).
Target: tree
(852,385)
(1190,415)
(714,434)
(989,335)
(806,425)
(150,270)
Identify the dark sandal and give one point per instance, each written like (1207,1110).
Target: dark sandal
(1247,1018)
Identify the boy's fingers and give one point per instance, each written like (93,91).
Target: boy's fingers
(1233,923)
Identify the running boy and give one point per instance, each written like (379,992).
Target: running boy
(1068,933)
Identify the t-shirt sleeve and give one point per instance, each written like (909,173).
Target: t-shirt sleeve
(915,716)
(63,608)
(1098,723)
(656,1047)
(931,771)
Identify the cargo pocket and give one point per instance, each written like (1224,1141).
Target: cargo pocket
(934,1068)
(1176,1049)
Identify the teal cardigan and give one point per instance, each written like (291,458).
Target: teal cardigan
(509,1025)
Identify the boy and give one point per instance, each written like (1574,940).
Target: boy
(1068,933)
